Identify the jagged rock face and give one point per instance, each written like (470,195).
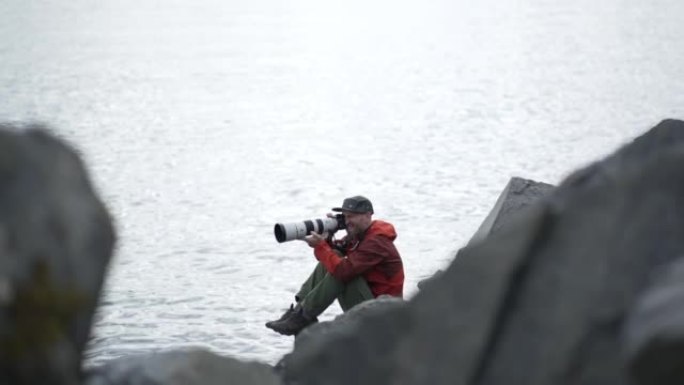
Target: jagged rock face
(182,368)
(544,300)
(56,239)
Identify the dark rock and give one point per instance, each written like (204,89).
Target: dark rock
(316,336)
(385,315)
(347,322)
(182,368)
(518,194)
(424,282)
(543,300)
(56,239)
(654,332)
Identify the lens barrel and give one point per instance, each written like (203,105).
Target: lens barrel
(285,232)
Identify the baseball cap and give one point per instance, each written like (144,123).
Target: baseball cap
(356,204)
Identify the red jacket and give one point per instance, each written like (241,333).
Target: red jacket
(373,257)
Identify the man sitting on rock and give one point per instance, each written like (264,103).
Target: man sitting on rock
(361,266)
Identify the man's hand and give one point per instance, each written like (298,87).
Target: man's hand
(314,239)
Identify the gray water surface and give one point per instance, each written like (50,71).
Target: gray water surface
(205,122)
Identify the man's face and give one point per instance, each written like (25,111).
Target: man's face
(357,223)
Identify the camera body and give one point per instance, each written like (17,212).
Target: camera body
(285,232)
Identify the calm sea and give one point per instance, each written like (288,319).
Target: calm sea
(203,123)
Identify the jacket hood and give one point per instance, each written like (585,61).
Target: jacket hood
(382,228)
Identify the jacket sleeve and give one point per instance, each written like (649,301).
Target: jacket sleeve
(369,253)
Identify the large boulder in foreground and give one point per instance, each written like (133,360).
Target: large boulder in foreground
(347,322)
(56,239)
(179,367)
(653,336)
(543,301)
(315,337)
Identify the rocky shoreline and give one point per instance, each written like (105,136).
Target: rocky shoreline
(579,283)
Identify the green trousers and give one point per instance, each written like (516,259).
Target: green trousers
(321,289)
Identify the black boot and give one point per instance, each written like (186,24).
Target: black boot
(293,324)
(283,317)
